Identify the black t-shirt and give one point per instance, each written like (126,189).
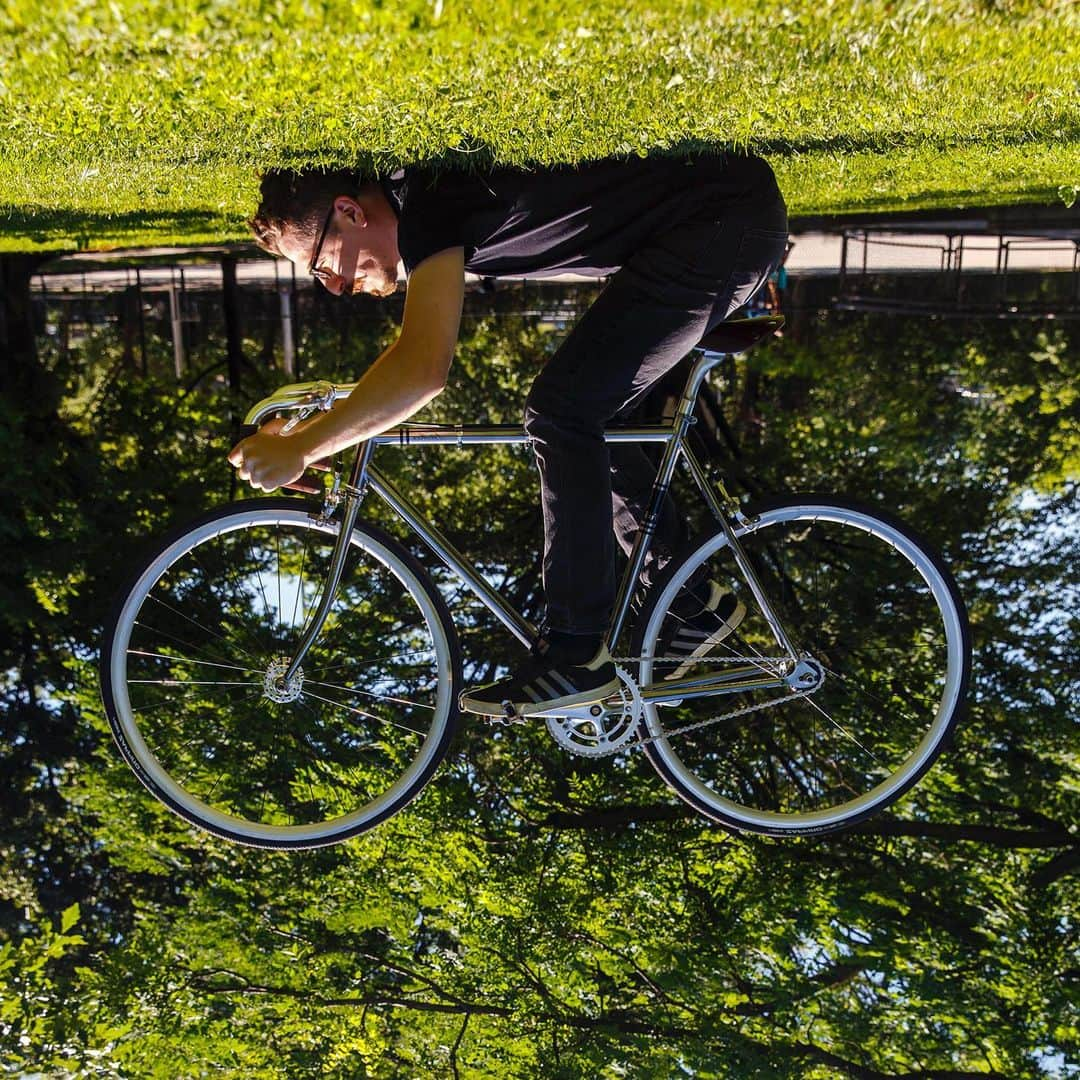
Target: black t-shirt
(585,219)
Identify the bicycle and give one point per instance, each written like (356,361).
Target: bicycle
(286,675)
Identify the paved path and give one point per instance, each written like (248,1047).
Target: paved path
(812,253)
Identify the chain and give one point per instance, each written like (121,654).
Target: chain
(723,716)
(704,660)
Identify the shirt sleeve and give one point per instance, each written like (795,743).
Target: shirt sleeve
(433,217)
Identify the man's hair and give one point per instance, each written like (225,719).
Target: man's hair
(299,201)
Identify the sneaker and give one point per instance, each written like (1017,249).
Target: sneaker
(697,622)
(547,681)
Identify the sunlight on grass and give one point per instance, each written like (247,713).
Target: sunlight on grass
(145,121)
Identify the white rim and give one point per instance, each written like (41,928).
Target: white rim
(228,822)
(819,819)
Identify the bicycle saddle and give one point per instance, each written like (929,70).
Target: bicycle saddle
(737,335)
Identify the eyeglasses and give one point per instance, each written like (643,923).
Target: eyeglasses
(318,272)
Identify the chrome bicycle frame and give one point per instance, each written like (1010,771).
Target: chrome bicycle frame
(308,398)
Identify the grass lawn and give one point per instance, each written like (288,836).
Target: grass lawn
(142,121)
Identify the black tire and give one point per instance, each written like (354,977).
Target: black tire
(834,570)
(192,585)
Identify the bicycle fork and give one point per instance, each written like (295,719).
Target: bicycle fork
(353,495)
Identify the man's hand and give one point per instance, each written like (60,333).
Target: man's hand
(268,459)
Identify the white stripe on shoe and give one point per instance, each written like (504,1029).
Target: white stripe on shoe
(705,643)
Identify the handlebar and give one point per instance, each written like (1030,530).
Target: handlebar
(304,398)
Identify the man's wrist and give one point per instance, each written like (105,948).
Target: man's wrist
(307,443)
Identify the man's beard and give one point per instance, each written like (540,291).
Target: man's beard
(380,284)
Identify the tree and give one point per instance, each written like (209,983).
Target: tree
(539,915)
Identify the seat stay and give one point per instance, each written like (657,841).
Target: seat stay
(680,424)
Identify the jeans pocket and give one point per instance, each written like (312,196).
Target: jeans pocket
(761,251)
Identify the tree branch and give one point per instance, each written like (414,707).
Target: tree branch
(617,1021)
(1056,868)
(862,1072)
(613,817)
(980,834)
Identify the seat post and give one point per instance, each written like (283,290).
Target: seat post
(702,366)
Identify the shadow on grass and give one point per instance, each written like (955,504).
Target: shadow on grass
(41,225)
(1022,197)
(1039,200)
(476,154)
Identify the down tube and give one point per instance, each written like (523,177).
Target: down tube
(523,630)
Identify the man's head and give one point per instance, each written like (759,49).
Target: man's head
(333,224)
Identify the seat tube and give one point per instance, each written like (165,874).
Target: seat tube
(684,417)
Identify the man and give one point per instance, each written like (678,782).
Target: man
(686,242)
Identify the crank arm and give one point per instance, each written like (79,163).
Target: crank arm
(592,711)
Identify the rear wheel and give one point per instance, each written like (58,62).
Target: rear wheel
(874,614)
(192,664)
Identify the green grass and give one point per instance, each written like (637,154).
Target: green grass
(140,121)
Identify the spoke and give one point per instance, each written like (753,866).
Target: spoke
(258,571)
(858,688)
(152,708)
(369,693)
(185,660)
(161,704)
(418,620)
(171,753)
(300,589)
(842,729)
(236,591)
(277,548)
(192,682)
(368,663)
(179,640)
(313,610)
(370,716)
(760,663)
(205,629)
(213,788)
(254,710)
(337,784)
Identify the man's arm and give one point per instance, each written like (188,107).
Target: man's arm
(402,380)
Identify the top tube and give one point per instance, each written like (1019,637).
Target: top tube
(502,435)
(320,396)
(312,397)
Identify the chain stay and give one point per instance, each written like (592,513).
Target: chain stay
(705,660)
(733,713)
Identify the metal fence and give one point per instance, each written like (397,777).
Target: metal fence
(982,275)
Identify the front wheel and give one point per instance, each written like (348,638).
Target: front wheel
(876,617)
(191,677)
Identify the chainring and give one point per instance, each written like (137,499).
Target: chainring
(607,733)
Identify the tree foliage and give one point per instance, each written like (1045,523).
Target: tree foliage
(534,914)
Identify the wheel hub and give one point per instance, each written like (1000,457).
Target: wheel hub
(807,676)
(274,685)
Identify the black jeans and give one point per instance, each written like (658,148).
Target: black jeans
(652,311)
